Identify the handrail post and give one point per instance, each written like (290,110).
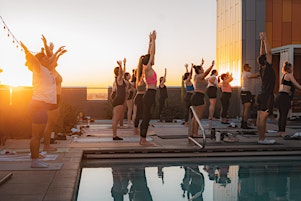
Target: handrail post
(196,118)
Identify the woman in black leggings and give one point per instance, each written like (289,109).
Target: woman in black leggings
(151,84)
(226,95)
(285,96)
(138,100)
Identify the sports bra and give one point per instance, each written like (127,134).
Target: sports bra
(285,82)
(189,88)
(151,79)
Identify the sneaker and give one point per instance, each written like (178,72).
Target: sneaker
(35,163)
(266,141)
(117,138)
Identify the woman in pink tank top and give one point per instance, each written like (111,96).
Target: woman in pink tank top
(151,84)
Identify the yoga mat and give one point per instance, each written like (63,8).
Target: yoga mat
(108,139)
(6,166)
(17,157)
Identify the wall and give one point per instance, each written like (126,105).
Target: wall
(15,118)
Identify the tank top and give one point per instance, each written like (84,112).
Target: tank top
(189,88)
(288,83)
(151,79)
(226,88)
(246,82)
(200,85)
(141,87)
(215,81)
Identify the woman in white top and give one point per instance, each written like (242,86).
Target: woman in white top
(212,92)
(44,95)
(246,95)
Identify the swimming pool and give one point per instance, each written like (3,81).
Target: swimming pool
(226,179)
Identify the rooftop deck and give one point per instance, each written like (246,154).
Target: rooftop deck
(59,181)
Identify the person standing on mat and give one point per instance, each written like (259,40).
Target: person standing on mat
(118,97)
(163,95)
(189,92)
(266,97)
(226,95)
(54,111)
(44,95)
(149,97)
(198,97)
(246,95)
(285,95)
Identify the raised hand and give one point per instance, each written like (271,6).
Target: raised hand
(24,48)
(119,62)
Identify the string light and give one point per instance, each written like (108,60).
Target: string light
(9,33)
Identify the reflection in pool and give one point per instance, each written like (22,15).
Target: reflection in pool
(191,181)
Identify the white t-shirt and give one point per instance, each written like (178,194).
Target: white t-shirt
(44,86)
(246,82)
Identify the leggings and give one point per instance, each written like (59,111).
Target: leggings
(284,104)
(225,99)
(187,105)
(139,104)
(161,105)
(148,105)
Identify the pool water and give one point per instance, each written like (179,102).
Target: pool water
(210,181)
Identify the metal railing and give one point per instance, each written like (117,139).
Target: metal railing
(190,137)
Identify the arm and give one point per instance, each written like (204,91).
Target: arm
(265,47)
(190,74)
(124,65)
(253,75)
(186,67)
(209,69)
(49,52)
(32,62)
(120,73)
(152,50)
(230,78)
(294,81)
(202,63)
(54,58)
(164,79)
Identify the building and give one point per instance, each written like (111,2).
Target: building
(238,25)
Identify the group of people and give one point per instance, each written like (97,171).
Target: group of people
(44,106)
(198,86)
(137,93)
(141,92)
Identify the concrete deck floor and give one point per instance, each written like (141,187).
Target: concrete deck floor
(60,185)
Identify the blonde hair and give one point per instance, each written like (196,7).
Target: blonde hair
(286,66)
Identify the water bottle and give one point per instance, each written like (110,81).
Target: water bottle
(212,135)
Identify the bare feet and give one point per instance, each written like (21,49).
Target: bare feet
(41,156)
(136,131)
(281,134)
(144,142)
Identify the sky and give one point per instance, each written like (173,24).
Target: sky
(97,33)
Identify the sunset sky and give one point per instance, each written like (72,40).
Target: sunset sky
(97,33)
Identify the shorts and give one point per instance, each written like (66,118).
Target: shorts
(246,97)
(197,99)
(212,92)
(38,111)
(265,103)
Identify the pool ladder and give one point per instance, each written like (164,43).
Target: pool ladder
(190,137)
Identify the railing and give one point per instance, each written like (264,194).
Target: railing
(190,137)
